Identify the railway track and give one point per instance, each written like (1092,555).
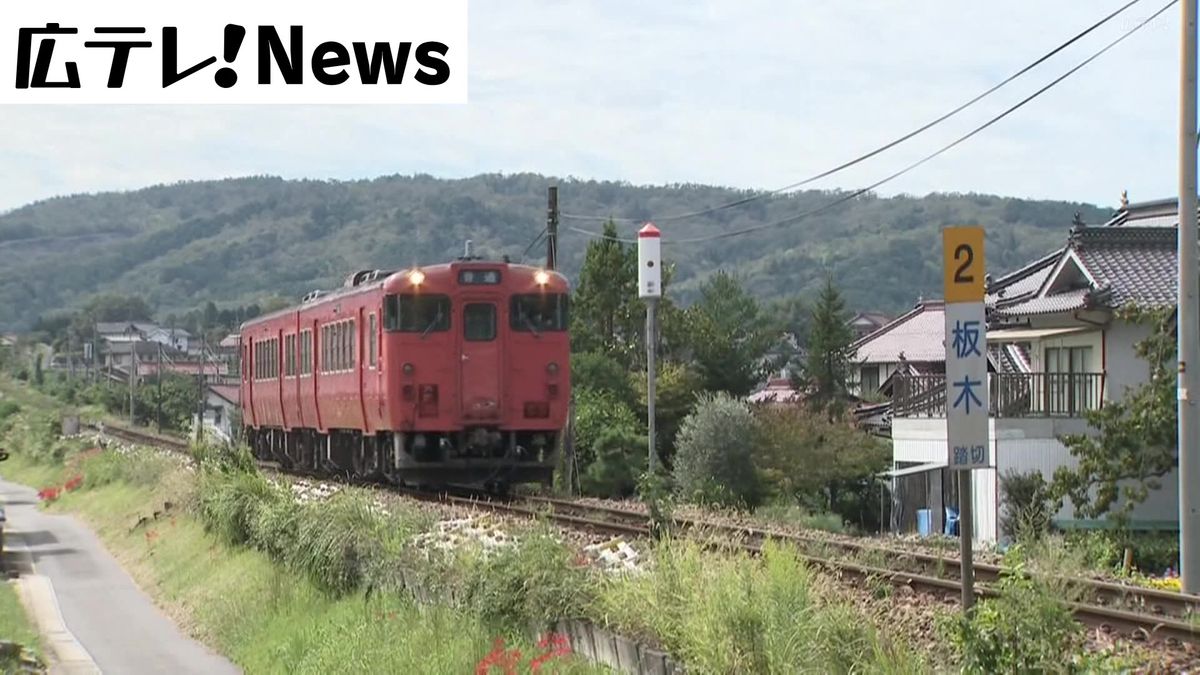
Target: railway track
(1152,614)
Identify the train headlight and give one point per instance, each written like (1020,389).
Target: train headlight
(542,277)
(416,277)
(552,368)
(408,369)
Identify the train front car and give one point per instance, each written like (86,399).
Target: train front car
(478,370)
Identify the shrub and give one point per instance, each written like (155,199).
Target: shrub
(230,503)
(790,514)
(1028,628)
(335,540)
(713,450)
(534,581)
(1026,505)
(619,455)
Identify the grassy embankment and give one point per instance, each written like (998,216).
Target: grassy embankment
(280,585)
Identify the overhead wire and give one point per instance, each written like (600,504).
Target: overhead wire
(883,148)
(541,235)
(856,193)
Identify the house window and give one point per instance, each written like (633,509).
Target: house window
(1070,389)
(869,382)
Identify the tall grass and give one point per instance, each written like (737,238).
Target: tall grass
(735,614)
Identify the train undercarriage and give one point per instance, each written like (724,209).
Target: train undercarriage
(481,457)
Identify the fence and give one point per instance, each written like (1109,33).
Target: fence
(1009,395)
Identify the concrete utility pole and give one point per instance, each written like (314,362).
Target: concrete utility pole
(650,290)
(132,372)
(552,228)
(158,399)
(1188,316)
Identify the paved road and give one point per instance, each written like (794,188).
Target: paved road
(110,616)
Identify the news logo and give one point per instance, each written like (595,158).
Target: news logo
(134,51)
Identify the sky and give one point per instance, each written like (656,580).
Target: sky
(742,93)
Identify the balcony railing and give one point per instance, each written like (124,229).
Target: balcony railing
(1009,394)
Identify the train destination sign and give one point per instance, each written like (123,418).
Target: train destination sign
(966,349)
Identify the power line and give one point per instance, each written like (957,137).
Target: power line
(533,243)
(847,197)
(876,151)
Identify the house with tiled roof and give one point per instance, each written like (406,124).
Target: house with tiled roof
(911,343)
(1058,348)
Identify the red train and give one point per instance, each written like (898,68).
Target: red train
(454,373)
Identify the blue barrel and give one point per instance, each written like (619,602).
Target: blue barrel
(924,520)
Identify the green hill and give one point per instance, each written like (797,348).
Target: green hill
(238,240)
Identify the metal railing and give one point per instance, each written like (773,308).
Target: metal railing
(1009,395)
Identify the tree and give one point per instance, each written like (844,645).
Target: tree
(610,446)
(599,372)
(1137,441)
(730,335)
(713,457)
(839,463)
(676,390)
(606,314)
(827,369)
(114,307)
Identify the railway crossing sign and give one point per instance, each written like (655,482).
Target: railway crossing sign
(966,349)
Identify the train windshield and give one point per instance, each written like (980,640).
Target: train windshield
(416,313)
(537,312)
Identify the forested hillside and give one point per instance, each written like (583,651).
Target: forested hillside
(242,240)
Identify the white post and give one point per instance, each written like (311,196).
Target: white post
(650,290)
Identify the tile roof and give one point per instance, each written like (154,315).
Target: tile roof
(919,335)
(1024,282)
(1123,266)
(119,327)
(1137,265)
(1157,213)
(231,393)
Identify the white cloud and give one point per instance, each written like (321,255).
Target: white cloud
(744,93)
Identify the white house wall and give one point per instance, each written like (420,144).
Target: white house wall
(1021,445)
(1125,368)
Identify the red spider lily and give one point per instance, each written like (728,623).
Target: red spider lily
(507,660)
(73,484)
(48,494)
(557,644)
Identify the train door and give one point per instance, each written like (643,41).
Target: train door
(480,361)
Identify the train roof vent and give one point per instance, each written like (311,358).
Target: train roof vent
(312,295)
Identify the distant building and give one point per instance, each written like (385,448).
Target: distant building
(124,331)
(778,391)
(912,343)
(865,323)
(176,338)
(222,403)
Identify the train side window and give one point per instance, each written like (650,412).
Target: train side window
(371,340)
(416,313)
(351,344)
(479,322)
(324,349)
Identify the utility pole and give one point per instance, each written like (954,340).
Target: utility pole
(650,290)
(552,228)
(1188,315)
(158,398)
(132,374)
